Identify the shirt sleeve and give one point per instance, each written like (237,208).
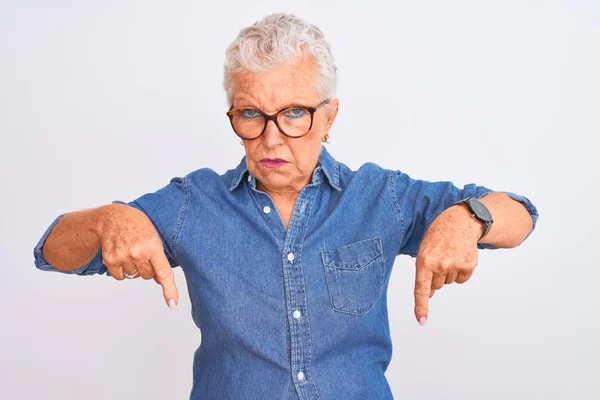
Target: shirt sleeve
(419,202)
(165,208)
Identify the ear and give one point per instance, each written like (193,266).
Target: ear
(332,110)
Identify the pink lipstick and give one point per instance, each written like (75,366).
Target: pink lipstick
(273,162)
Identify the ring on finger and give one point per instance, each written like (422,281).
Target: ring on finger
(131,276)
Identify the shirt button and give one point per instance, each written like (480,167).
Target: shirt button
(297,314)
(300,376)
(249,177)
(291,257)
(267,209)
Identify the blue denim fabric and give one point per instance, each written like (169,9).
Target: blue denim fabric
(298,313)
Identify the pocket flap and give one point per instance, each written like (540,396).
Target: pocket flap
(354,255)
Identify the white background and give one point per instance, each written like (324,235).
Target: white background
(108,100)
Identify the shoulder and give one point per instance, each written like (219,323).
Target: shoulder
(202,175)
(207,174)
(369,173)
(207,179)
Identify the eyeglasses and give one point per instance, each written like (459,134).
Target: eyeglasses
(293,121)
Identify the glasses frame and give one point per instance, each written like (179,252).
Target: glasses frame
(273,117)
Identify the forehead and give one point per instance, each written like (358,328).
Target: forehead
(293,83)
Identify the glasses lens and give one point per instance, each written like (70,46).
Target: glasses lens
(248,123)
(294,121)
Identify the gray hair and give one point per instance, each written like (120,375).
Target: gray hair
(275,40)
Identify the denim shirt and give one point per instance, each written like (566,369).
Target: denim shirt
(296,313)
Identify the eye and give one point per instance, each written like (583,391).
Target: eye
(250,114)
(296,113)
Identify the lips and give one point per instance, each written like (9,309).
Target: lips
(273,162)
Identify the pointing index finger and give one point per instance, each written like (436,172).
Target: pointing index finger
(423,278)
(165,277)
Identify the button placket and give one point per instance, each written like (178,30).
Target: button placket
(295,293)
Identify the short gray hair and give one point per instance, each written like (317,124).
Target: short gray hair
(274,41)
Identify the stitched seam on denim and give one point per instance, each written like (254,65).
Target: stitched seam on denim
(398,212)
(334,265)
(287,288)
(333,177)
(287,294)
(288,345)
(334,262)
(235,182)
(382,274)
(393,199)
(182,214)
(327,281)
(336,175)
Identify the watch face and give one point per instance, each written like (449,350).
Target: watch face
(480,210)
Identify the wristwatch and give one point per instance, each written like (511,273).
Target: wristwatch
(478,211)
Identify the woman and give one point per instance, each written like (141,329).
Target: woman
(288,256)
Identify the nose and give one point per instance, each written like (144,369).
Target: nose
(272,137)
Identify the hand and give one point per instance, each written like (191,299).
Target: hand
(130,242)
(448,253)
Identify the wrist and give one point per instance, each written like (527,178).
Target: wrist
(100,216)
(475,228)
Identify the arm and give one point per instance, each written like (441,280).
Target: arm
(74,239)
(512,222)
(72,242)
(418,203)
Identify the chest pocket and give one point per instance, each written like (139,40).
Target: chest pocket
(355,275)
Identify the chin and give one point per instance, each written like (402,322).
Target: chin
(273,180)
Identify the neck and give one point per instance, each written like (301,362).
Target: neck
(288,195)
(284,201)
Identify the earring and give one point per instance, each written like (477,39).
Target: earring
(326,139)
(242,142)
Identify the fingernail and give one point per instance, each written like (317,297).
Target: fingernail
(172,304)
(422,321)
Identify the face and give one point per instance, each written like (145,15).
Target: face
(271,91)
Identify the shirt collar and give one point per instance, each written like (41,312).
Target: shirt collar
(327,166)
